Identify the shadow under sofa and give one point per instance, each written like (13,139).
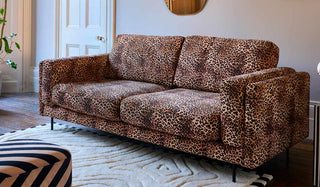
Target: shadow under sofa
(220,98)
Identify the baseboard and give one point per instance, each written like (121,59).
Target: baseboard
(9,86)
(29,85)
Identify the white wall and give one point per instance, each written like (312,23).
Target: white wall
(45,30)
(294,25)
(45,34)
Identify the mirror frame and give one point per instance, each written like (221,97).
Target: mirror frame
(169,4)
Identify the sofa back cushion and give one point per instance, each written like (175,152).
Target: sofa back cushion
(145,58)
(205,61)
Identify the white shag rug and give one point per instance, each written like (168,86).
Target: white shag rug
(103,160)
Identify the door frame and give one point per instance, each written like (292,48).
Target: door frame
(111,26)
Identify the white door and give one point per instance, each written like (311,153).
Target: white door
(83,27)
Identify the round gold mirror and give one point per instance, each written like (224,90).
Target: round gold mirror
(185,7)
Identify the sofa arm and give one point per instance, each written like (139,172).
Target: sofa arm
(276,115)
(300,128)
(70,69)
(232,97)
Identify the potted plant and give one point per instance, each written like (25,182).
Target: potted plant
(6,42)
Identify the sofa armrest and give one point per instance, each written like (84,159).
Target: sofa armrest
(70,69)
(232,96)
(300,128)
(276,115)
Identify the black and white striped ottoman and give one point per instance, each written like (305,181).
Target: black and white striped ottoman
(31,162)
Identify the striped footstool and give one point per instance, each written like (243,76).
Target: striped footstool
(31,162)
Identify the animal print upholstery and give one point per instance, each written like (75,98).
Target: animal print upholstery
(70,69)
(211,149)
(242,156)
(269,107)
(300,127)
(232,95)
(262,113)
(145,58)
(182,112)
(276,114)
(205,61)
(100,99)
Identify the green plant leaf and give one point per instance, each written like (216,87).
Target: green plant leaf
(2,11)
(12,64)
(13,34)
(17,45)
(1,21)
(6,46)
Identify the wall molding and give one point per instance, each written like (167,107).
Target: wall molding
(27,47)
(57,28)
(111,23)
(19,80)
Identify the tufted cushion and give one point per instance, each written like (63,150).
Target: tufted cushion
(205,61)
(188,113)
(100,99)
(145,58)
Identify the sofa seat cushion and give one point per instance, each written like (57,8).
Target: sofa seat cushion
(183,112)
(100,99)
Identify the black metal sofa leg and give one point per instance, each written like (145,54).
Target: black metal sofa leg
(52,123)
(288,158)
(234,173)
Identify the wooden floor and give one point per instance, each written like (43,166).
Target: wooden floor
(19,111)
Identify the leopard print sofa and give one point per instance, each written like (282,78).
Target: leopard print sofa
(220,98)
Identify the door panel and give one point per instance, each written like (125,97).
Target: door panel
(73,14)
(93,14)
(82,21)
(72,50)
(92,49)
